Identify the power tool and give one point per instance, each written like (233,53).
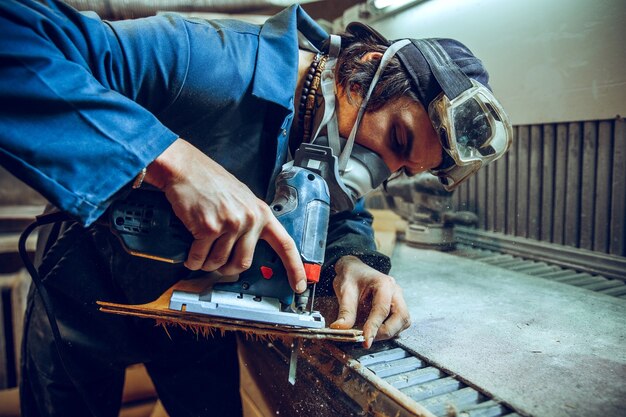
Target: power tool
(146,226)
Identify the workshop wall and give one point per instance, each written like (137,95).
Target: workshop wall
(549,61)
(559,183)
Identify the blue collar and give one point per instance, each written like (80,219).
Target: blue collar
(277,58)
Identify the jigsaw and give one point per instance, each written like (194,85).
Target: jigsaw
(147,226)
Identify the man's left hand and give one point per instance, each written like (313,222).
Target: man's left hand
(355,285)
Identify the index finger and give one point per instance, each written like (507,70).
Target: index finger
(399,320)
(277,237)
(381,307)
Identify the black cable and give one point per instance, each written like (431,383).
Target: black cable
(42,220)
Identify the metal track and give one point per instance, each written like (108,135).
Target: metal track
(437,391)
(598,283)
(583,260)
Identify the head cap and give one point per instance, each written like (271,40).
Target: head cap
(425,83)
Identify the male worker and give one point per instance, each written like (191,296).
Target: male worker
(206,111)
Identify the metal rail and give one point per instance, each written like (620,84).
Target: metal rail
(610,266)
(545,269)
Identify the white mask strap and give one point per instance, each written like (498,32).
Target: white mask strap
(328,87)
(389,53)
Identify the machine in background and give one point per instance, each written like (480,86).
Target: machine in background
(427,207)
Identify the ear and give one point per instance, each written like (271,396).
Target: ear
(372,56)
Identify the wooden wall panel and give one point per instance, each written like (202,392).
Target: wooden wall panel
(548,165)
(602,209)
(588,182)
(535,175)
(481,198)
(491,194)
(562,183)
(572,187)
(523,147)
(618,191)
(472,202)
(501,194)
(511,201)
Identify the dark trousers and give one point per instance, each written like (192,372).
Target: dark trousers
(193,375)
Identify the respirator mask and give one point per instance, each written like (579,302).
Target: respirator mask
(350,170)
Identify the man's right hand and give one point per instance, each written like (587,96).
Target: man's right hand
(225,218)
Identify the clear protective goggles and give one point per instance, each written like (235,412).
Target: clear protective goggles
(473,130)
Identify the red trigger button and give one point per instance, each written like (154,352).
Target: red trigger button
(267,272)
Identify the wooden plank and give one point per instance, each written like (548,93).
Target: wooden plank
(501,192)
(10,402)
(521,227)
(9,242)
(492,197)
(618,201)
(159,410)
(560,183)
(253,400)
(535,150)
(602,209)
(137,385)
(15,218)
(471,185)
(481,197)
(547,190)
(464,197)
(511,201)
(137,410)
(572,192)
(460,196)
(456,199)
(19,295)
(471,195)
(587,190)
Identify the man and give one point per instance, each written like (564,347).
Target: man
(209,109)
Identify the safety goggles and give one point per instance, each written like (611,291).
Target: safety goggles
(473,130)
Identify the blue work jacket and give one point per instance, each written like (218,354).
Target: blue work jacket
(86,103)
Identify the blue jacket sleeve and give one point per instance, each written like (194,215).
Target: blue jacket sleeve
(78,103)
(351,233)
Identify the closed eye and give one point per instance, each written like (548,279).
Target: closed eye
(401,143)
(396,144)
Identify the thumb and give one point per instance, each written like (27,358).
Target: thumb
(348,298)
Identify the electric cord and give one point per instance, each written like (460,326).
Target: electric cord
(45,219)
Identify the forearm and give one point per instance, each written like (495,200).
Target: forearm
(89,139)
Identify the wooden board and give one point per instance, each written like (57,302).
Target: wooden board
(159,310)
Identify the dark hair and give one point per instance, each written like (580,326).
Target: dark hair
(354,74)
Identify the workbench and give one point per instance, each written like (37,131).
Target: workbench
(484,341)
